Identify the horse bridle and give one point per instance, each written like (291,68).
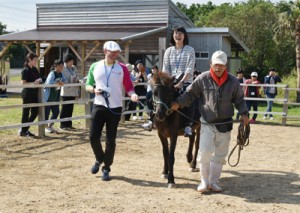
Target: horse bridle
(156,102)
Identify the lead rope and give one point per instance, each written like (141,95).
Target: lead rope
(242,140)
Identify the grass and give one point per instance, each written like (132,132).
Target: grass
(13,116)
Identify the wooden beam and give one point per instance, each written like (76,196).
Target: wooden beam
(3,51)
(27,48)
(83,51)
(127,52)
(93,50)
(45,52)
(75,52)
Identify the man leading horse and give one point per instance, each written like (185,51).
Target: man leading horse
(218,91)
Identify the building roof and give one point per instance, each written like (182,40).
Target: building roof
(225,31)
(86,33)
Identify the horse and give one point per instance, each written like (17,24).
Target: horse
(169,124)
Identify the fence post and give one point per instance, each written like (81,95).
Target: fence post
(41,117)
(285,105)
(87,105)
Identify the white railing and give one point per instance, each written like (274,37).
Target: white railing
(84,99)
(284,100)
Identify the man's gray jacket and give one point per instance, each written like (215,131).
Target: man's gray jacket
(216,103)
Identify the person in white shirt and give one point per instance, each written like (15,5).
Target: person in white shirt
(109,77)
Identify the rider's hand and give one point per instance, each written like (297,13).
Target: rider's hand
(175,106)
(134,97)
(245,119)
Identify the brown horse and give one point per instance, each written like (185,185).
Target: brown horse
(169,124)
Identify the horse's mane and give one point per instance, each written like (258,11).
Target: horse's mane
(162,78)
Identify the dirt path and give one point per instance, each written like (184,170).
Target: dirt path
(53,175)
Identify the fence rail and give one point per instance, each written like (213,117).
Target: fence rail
(86,101)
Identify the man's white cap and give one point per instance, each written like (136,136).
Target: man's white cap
(111,46)
(254,74)
(219,57)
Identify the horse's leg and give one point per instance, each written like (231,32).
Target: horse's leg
(173,141)
(165,149)
(189,154)
(193,164)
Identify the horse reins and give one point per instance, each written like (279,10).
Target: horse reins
(242,136)
(242,140)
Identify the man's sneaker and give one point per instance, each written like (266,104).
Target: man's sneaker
(105,175)
(252,121)
(147,126)
(188,131)
(95,168)
(265,117)
(134,118)
(271,118)
(29,134)
(22,134)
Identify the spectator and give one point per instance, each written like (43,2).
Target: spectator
(179,61)
(109,76)
(271,92)
(140,76)
(148,125)
(252,92)
(68,93)
(129,104)
(29,75)
(218,91)
(240,77)
(52,94)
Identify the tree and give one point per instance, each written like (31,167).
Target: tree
(289,23)
(2,28)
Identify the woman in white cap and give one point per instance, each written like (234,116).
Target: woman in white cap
(252,92)
(109,76)
(218,90)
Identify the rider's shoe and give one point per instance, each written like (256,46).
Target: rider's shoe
(147,126)
(188,131)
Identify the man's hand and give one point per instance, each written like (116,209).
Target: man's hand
(245,119)
(175,106)
(134,97)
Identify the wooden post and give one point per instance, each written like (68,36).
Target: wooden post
(41,116)
(161,52)
(285,105)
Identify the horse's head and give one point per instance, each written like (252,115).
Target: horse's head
(163,94)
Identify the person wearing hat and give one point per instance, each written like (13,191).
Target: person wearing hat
(179,61)
(270,92)
(109,77)
(252,92)
(68,93)
(218,91)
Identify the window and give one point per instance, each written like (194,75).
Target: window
(201,55)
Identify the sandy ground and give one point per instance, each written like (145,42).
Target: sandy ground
(53,175)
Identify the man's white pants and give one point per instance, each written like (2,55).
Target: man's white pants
(214,145)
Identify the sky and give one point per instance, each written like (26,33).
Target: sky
(20,15)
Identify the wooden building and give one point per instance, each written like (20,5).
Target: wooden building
(142,27)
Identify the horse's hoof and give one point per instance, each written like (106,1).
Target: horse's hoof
(171,185)
(194,169)
(164,176)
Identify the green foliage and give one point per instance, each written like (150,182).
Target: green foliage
(2,28)
(254,22)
